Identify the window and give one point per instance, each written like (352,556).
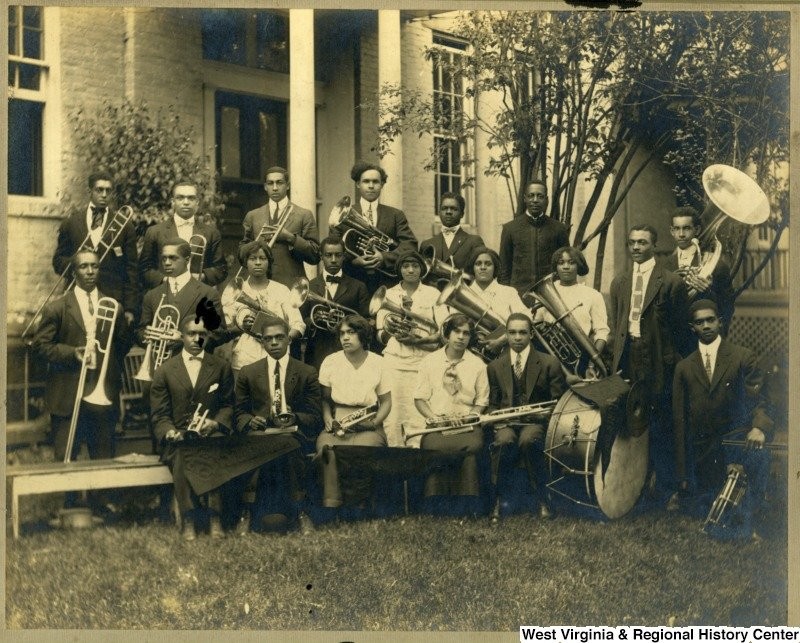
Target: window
(27,80)
(257,39)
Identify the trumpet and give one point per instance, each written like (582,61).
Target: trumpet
(165,322)
(105,319)
(347,423)
(359,237)
(113,231)
(408,322)
(325,314)
(466,422)
(265,229)
(197,245)
(196,423)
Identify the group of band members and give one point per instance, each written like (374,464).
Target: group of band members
(675,355)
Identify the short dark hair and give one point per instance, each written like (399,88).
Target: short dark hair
(645,227)
(703,304)
(519,317)
(331,240)
(184,250)
(188,182)
(576,255)
(82,251)
(251,247)
(277,169)
(94,177)
(360,325)
(462,203)
(687,211)
(537,182)
(362,166)
(477,252)
(274,320)
(455,321)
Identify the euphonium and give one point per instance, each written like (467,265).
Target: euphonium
(410,323)
(437,270)
(197,245)
(165,321)
(563,338)
(733,194)
(359,237)
(253,308)
(325,314)
(267,227)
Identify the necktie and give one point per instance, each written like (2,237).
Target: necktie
(331,279)
(273,213)
(277,402)
(518,367)
(174,283)
(97,216)
(91,305)
(638,295)
(709,370)
(369,214)
(450,380)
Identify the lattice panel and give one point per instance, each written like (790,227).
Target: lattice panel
(763,335)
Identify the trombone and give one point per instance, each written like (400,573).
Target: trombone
(104,321)
(265,229)
(197,246)
(165,322)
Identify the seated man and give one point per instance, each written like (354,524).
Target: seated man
(278,391)
(519,377)
(716,390)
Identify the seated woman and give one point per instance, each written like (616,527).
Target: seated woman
(351,380)
(453,381)
(405,349)
(270,296)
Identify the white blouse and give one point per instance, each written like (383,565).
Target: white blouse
(587,306)
(503,300)
(351,386)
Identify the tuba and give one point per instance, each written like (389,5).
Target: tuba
(733,194)
(165,321)
(489,324)
(98,341)
(325,314)
(197,245)
(564,338)
(410,323)
(359,237)
(437,271)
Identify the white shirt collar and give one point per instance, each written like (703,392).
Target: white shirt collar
(332,274)
(645,266)
(280,206)
(524,355)
(365,205)
(187,356)
(283,361)
(181,280)
(180,221)
(711,348)
(452,230)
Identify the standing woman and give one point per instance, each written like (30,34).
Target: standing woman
(351,379)
(404,350)
(271,296)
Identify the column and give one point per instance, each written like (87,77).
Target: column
(302,130)
(389,73)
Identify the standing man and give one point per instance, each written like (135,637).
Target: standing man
(334,285)
(183,224)
(297,240)
(648,313)
(527,242)
(370,179)
(119,278)
(453,245)
(685,228)
(521,376)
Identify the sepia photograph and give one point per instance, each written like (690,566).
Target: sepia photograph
(356,320)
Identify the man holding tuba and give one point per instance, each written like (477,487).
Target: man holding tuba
(71,326)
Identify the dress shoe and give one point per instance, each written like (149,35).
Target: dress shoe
(494,517)
(545,513)
(215,528)
(188,532)
(304,523)
(274,523)
(243,526)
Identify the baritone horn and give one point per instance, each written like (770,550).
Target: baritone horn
(359,237)
(437,270)
(252,308)
(408,322)
(325,314)
(563,338)
(165,322)
(197,246)
(732,194)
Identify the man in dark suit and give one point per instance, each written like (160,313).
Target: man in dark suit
(273,392)
(521,376)
(181,290)
(119,277)
(370,179)
(183,223)
(453,245)
(648,313)
(527,242)
(297,240)
(716,390)
(686,226)
(339,288)
(194,389)
(62,336)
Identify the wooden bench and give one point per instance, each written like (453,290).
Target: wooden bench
(82,475)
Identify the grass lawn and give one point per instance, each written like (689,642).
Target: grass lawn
(406,573)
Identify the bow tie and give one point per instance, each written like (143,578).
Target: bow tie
(449,230)
(331,279)
(97,209)
(185,222)
(195,358)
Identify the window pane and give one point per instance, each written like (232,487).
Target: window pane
(272,41)
(29,76)
(12,78)
(25,147)
(32,16)
(32,43)
(229,142)
(269,136)
(13,48)
(224,36)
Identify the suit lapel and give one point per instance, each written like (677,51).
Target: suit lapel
(290,381)
(656,277)
(532,372)
(696,362)
(74,310)
(506,376)
(722,364)
(625,291)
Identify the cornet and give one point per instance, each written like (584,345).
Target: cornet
(165,322)
(408,322)
(325,314)
(197,245)
(359,237)
(347,423)
(196,423)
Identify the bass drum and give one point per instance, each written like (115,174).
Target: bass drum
(570,450)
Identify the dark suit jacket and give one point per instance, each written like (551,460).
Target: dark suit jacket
(60,332)
(703,411)
(303,395)
(173,399)
(463,245)
(118,276)
(720,289)
(544,380)
(664,323)
(288,260)
(215,268)
(526,250)
(350,293)
(186,302)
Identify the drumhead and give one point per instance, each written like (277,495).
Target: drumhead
(627,470)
